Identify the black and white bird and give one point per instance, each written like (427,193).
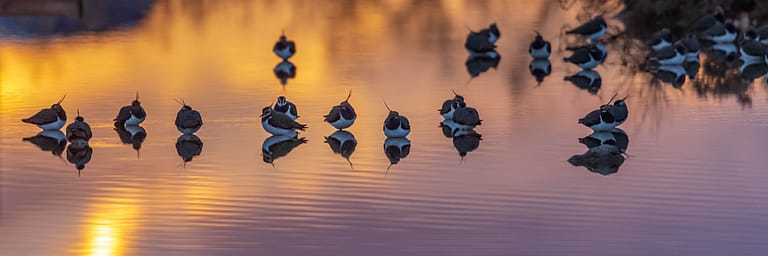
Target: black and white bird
(50,118)
(593,29)
(132,134)
(188,120)
(540,48)
(396,125)
(588,80)
(343,143)
(751,51)
(277,123)
(752,70)
(285,70)
(670,55)
(483,40)
(132,114)
(601,51)
(721,33)
(599,120)
(618,110)
(661,39)
(540,69)
(396,149)
(278,146)
(188,146)
(79,132)
(342,116)
(616,137)
(586,57)
(450,106)
(284,48)
(49,140)
(673,74)
(286,107)
(722,53)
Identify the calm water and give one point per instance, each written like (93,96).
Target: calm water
(695,181)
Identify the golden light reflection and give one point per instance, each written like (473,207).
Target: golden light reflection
(108,231)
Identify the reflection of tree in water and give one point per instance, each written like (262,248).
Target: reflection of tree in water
(642,18)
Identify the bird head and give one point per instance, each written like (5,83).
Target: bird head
(266,111)
(281,101)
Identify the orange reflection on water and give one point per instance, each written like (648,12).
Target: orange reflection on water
(109,227)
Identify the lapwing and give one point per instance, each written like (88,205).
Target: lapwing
(51,118)
(277,123)
(604,159)
(284,48)
(79,131)
(540,48)
(286,107)
(188,120)
(661,39)
(670,55)
(79,156)
(751,51)
(278,146)
(592,29)
(618,110)
(759,34)
(479,63)
(752,70)
(132,134)
(601,54)
(466,141)
(342,116)
(396,149)
(710,20)
(721,33)
(673,74)
(483,40)
(131,115)
(588,80)
(722,53)
(616,137)
(188,146)
(586,57)
(343,143)
(540,69)
(599,120)
(396,125)
(285,70)
(692,47)
(467,117)
(49,140)
(450,106)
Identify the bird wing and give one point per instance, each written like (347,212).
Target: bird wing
(590,27)
(138,111)
(282,121)
(188,118)
(666,53)
(591,119)
(466,116)
(333,115)
(293,110)
(580,55)
(446,106)
(123,115)
(405,123)
(479,42)
(43,117)
(292,47)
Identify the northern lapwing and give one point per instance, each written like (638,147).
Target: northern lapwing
(285,70)
(722,53)
(188,146)
(670,55)
(599,120)
(188,120)
(604,159)
(396,125)
(450,106)
(483,40)
(477,63)
(466,141)
(593,29)
(343,143)
(540,48)
(132,114)
(616,137)
(278,146)
(132,134)
(618,110)
(661,39)
(277,123)
(721,33)
(467,117)
(342,116)
(588,80)
(49,140)
(396,149)
(50,118)
(79,156)
(286,107)
(692,47)
(710,20)
(586,57)
(759,34)
(79,132)
(673,74)
(540,69)
(601,54)
(752,70)
(751,51)
(284,48)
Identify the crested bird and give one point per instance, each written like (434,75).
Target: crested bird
(188,120)
(284,48)
(396,125)
(483,40)
(52,118)
(132,114)
(79,130)
(341,116)
(277,123)
(286,107)
(592,29)
(450,106)
(540,48)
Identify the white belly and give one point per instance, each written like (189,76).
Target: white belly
(396,133)
(449,115)
(603,127)
(592,63)
(277,131)
(134,120)
(539,53)
(284,53)
(343,123)
(53,126)
(677,60)
(726,38)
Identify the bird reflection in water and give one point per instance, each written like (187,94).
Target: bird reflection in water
(478,63)
(587,79)
(396,149)
(79,154)
(285,70)
(465,140)
(51,140)
(132,134)
(540,69)
(278,146)
(343,143)
(188,146)
(605,152)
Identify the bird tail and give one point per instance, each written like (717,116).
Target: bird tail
(302,127)
(26,120)
(581,120)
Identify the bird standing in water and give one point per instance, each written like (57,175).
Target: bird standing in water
(342,116)
(277,123)
(483,40)
(284,48)
(79,132)
(131,115)
(540,48)
(450,105)
(188,120)
(592,29)
(396,125)
(50,118)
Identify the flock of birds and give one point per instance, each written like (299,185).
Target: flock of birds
(280,118)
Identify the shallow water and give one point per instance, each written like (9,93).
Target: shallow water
(694,182)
